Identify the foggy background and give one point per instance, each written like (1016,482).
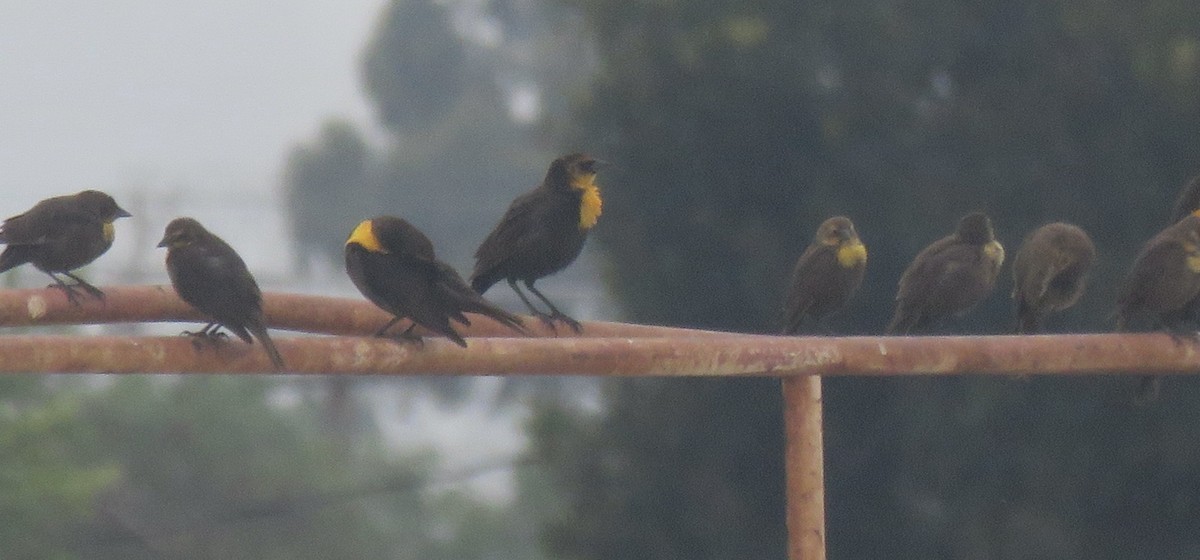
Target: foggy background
(734,129)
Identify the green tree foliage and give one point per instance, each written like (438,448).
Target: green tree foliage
(212,467)
(47,491)
(738,126)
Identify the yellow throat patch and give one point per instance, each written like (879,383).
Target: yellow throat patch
(364,235)
(109,231)
(995,251)
(851,254)
(589,200)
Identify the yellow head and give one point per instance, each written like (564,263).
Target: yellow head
(364,236)
(838,232)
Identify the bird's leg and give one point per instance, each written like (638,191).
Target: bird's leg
(407,335)
(94,291)
(547,319)
(384,328)
(555,314)
(68,290)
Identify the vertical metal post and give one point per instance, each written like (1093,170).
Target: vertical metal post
(805,464)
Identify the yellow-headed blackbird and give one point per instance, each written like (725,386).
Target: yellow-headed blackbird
(61,234)
(1188,201)
(542,232)
(1164,283)
(392,263)
(1165,277)
(1049,272)
(949,276)
(210,276)
(826,274)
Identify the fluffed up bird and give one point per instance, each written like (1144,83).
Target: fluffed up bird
(61,234)
(542,232)
(949,276)
(1163,284)
(826,274)
(1050,272)
(393,264)
(210,276)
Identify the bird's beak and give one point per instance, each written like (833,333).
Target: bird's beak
(162,243)
(121,213)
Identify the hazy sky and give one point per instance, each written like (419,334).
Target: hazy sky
(203,95)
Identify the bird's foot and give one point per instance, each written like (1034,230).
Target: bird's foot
(407,337)
(551,320)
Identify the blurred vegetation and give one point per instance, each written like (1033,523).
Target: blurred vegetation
(208,467)
(738,126)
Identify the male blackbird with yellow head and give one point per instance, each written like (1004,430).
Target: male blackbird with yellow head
(949,276)
(210,276)
(393,264)
(1050,272)
(1164,285)
(826,274)
(542,232)
(61,234)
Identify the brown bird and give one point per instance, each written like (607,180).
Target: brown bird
(210,276)
(1188,201)
(541,233)
(1050,272)
(949,276)
(61,234)
(1163,284)
(392,263)
(826,274)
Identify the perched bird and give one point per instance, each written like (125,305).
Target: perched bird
(1164,283)
(949,276)
(393,265)
(1049,272)
(1188,201)
(210,276)
(61,234)
(541,233)
(826,274)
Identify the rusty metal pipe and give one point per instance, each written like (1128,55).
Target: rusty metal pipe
(731,355)
(297,312)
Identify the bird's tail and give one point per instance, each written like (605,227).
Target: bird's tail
(13,255)
(260,332)
(481,282)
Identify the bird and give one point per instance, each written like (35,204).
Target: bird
(1163,283)
(826,274)
(210,276)
(1050,272)
(949,276)
(61,234)
(1187,202)
(541,233)
(393,264)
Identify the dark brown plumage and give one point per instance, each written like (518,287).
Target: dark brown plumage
(1165,277)
(541,233)
(1187,202)
(826,274)
(1163,285)
(1049,272)
(392,263)
(61,234)
(949,276)
(210,276)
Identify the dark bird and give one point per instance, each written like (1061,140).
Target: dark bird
(949,276)
(1163,284)
(1050,272)
(541,233)
(392,263)
(1188,200)
(61,234)
(210,276)
(826,274)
